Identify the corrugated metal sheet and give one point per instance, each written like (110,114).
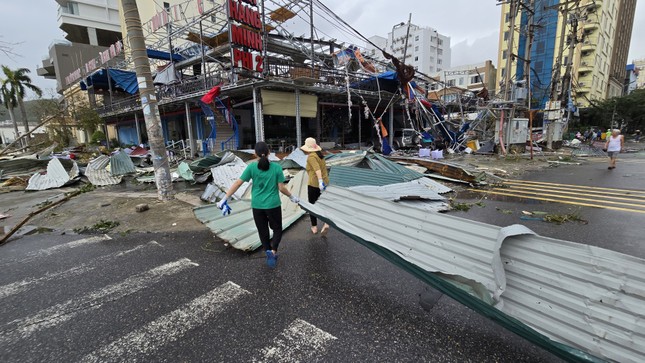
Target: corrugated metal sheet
(210,161)
(380,163)
(238,228)
(27,166)
(345,159)
(184,171)
(395,192)
(411,194)
(299,157)
(55,177)
(97,173)
(349,176)
(433,185)
(579,302)
(121,164)
(225,175)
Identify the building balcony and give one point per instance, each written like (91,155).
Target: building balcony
(585,67)
(591,26)
(583,87)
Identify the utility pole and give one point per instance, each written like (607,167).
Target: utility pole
(509,49)
(148,99)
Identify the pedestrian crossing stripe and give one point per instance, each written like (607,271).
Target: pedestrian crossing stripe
(168,328)
(29,283)
(54,315)
(299,342)
(32,256)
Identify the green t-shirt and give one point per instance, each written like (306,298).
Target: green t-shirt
(265,193)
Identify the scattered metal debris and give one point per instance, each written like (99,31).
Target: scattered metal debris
(578,301)
(55,177)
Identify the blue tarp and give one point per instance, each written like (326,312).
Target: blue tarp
(388,81)
(158,54)
(121,80)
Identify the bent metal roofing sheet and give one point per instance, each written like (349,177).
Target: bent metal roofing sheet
(55,177)
(580,302)
(238,228)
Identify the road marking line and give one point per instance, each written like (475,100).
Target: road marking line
(573,185)
(31,256)
(598,200)
(630,195)
(624,193)
(300,342)
(168,328)
(598,195)
(57,314)
(29,283)
(558,201)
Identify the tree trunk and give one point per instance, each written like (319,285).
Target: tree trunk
(148,99)
(25,122)
(15,124)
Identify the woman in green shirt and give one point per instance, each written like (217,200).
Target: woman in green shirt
(268,180)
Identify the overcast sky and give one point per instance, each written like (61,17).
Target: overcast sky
(472,25)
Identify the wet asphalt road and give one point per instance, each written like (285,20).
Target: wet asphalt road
(362,309)
(615,230)
(167,297)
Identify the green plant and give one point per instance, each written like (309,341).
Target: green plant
(97,137)
(101,226)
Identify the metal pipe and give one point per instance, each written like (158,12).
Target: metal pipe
(189,124)
(298,119)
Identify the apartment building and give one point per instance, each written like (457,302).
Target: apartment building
(91,26)
(587,38)
(426,49)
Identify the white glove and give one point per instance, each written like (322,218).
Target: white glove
(294,198)
(223,205)
(322,185)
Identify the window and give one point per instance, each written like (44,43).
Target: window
(432,39)
(503,55)
(416,49)
(439,51)
(438,61)
(475,79)
(506,35)
(416,38)
(440,42)
(503,72)
(438,69)
(461,81)
(415,58)
(451,82)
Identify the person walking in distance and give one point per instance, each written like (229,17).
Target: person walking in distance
(268,182)
(318,179)
(614,145)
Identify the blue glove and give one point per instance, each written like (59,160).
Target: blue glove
(294,198)
(322,185)
(223,205)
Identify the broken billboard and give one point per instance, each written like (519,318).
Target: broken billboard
(580,302)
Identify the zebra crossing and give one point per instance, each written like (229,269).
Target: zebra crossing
(625,200)
(299,341)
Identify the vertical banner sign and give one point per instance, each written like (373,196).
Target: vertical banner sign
(245,29)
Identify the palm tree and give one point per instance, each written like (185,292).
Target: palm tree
(9,101)
(16,83)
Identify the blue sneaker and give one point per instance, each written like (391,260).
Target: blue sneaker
(272,259)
